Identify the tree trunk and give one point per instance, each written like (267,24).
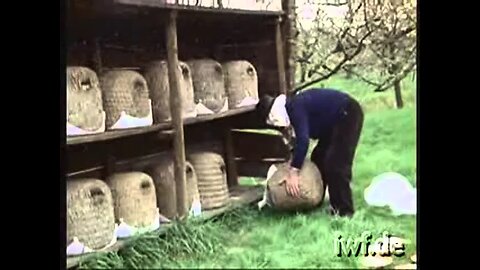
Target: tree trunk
(348,73)
(303,73)
(398,94)
(397,87)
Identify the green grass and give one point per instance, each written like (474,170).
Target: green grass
(247,238)
(372,101)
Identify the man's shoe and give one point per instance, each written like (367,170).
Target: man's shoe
(335,212)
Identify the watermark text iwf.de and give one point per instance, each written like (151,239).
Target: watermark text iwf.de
(365,246)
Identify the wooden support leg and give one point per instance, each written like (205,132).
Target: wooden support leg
(232,175)
(290,34)
(109,167)
(97,56)
(280,57)
(176,111)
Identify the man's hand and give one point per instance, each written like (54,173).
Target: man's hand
(292,181)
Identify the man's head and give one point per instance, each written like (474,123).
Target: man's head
(273,112)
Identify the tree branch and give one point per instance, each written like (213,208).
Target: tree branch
(345,59)
(400,76)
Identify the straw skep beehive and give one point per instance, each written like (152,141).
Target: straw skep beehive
(186,88)
(208,84)
(156,75)
(311,186)
(192,185)
(134,197)
(161,169)
(241,83)
(212,178)
(124,91)
(84,99)
(90,214)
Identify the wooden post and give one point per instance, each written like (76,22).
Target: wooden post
(97,56)
(109,167)
(232,175)
(290,33)
(176,112)
(280,57)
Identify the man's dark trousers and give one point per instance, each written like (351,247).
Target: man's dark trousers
(334,155)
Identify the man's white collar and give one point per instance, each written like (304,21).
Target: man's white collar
(278,115)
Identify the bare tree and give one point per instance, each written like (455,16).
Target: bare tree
(329,44)
(390,54)
(374,41)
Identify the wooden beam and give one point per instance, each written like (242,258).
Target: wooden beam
(280,57)
(256,168)
(176,112)
(254,146)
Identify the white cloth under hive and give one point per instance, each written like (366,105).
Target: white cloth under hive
(248,101)
(196,209)
(127,121)
(74,130)
(78,248)
(122,230)
(203,110)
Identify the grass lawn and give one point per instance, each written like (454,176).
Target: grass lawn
(248,238)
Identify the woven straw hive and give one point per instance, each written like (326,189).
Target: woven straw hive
(240,82)
(192,185)
(156,75)
(311,188)
(90,214)
(134,197)
(124,90)
(212,178)
(162,172)
(208,83)
(84,99)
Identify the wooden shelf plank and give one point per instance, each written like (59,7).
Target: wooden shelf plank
(110,135)
(179,7)
(210,117)
(239,195)
(75,260)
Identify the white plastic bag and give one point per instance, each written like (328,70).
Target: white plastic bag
(405,205)
(393,190)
